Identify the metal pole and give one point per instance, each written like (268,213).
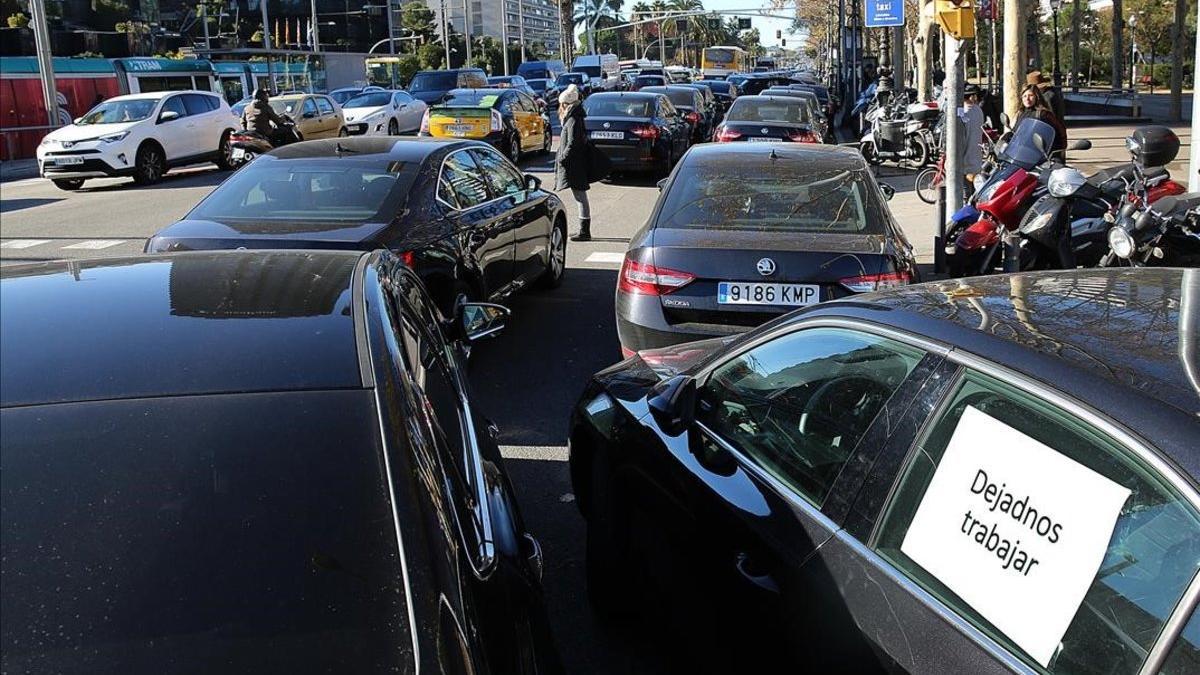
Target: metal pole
(952,92)
(1193,177)
(1074,79)
(504,32)
(662,42)
(391,28)
(1057,70)
(521,27)
(316,35)
(445,32)
(267,44)
(204,15)
(467,31)
(41,38)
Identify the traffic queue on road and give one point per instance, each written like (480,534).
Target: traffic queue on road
(808,458)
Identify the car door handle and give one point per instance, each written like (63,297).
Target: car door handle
(750,572)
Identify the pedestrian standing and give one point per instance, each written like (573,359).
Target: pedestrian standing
(572,160)
(1034,106)
(972,118)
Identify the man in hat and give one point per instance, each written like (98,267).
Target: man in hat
(972,118)
(1050,93)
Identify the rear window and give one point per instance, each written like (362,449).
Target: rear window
(232,533)
(684,99)
(472,98)
(721,195)
(590,71)
(570,78)
(773,111)
(307,192)
(437,81)
(650,81)
(604,106)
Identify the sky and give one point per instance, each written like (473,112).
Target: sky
(766,26)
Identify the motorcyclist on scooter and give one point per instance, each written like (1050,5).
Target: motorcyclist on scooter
(260,117)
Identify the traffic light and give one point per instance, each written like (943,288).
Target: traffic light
(714,23)
(743,23)
(956,17)
(783,43)
(778,34)
(681,25)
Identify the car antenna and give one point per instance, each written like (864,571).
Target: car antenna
(339,149)
(773,155)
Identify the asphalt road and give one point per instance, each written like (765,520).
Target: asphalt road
(526,380)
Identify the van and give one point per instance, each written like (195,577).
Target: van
(604,69)
(541,70)
(431,85)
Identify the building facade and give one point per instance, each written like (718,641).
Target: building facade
(532,22)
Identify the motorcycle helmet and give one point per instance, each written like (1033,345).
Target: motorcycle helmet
(1152,146)
(1065,181)
(261,94)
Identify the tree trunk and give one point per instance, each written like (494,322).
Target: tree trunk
(1014,55)
(1177,31)
(923,49)
(1075,11)
(1118,45)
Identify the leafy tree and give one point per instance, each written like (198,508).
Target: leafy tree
(18,20)
(407,65)
(431,55)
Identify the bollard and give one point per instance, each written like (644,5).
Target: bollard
(939,245)
(1012,251)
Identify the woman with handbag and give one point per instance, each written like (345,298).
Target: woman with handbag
(573,160)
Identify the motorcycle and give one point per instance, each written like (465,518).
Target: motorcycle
(900,134)
(1088,207)
(1166,233)
(247,144)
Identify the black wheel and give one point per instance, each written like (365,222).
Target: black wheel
(150,166)
(393,128)
(224,153)
(556,267)
(609,580)
(921,151)
(342,133)
(514,148)
(67,183)
(927,184)
(867,148)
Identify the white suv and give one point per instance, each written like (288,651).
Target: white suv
(139,135)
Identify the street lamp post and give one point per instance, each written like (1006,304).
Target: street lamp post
(1055,8)
(1132,52)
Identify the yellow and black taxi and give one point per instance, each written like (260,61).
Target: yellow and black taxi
(508,119)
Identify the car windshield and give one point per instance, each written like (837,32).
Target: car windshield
(539,85)
(768,111)
(439,81)
(650,81)
(720,195)
(298,193)
(617,106)
(372,99)
(286,106)
(116,112)
(472,98)
(570,78)
(240,107)
(590,71)
(200,534)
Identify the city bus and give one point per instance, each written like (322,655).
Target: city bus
(724,61)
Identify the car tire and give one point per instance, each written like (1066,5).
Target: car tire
(150,165)
(514,148)
(606,560)
(867,148)
(69,184)
(342,133)
(393,128)
(224,153)
(548,143)
(922,151)
(557,255)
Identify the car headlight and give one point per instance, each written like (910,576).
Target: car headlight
(1120,242)
(113,138)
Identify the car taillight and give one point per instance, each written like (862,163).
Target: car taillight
(645,131)
(875,282)
(497,121)
(626,352)
(408,257)
(693,117)
(803,137)
(725,135)
(425,122)
(639,278)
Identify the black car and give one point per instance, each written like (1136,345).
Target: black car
(545,90)
(996,475)
(458,212)
(642,81)
(822,93)
(745,232)
(816,113)
(755,83)
(636,131)
(580,80)
(769,118)
(252,462)
(512,82)
(724,92)
(690,103)
(715,110)
(431,85)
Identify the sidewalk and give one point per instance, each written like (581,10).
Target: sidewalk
(17,169)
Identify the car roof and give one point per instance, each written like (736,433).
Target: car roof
(1125,342)
(819,156)
(155,95)
(626,94)
(178,324)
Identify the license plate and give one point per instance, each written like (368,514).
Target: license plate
(792,295)
(459,129)
(238,153)
(611,135)
(67,160)
(358,127)
(760,139)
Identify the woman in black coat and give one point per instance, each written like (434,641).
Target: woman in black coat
(571,164)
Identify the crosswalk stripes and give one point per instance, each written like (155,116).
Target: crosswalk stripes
(83,245)
(96,244)
(23,243)
(605,257)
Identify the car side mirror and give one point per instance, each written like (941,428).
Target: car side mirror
(532,182)
(167,116)
(479,320)
(1081,144)
(672,403)
(662,184)
(888,191)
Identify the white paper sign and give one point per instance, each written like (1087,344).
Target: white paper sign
(1016,529)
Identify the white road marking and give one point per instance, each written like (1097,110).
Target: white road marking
(605,257)
(96,244)
(23,243)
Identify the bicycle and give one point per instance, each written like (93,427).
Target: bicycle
(930,180)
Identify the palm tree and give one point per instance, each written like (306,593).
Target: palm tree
(640,11)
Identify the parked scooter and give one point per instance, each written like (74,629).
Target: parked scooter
(1166,233)
(246,144)
(903,133)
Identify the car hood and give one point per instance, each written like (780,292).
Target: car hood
(793,241)
(355,114)
(77,132)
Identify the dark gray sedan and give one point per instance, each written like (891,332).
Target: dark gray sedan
(744,232)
